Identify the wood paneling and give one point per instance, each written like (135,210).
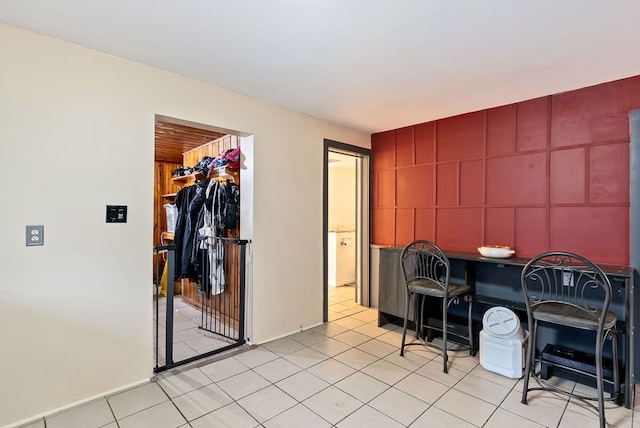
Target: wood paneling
(172,140)
(163,186)
(211,149)
(163,182)
(550,173)
(227,303)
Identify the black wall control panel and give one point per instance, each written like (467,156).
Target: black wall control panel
(116,213)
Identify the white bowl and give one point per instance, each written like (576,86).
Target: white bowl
(496,251)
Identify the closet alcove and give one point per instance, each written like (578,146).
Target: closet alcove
(179,146)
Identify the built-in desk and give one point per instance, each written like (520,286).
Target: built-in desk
(496,282)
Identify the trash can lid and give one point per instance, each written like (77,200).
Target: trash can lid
(500,321)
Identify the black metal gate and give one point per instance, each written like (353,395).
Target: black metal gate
(213,319)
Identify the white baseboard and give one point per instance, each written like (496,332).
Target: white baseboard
(35,418)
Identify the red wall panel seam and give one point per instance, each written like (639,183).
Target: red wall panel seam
(548,178)
(458,183)
(515,153)
(433,181)
(587,179)
(483,232)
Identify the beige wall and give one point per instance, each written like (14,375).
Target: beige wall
(342,196)
(76,133)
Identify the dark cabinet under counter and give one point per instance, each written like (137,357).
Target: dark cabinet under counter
(496,282)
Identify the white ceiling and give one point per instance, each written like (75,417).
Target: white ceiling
(371,65)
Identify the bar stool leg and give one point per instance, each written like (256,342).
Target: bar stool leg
(417,313)
(472,351)
(404,328)
(616,373)
(531,349)
(445,356)
(599,387)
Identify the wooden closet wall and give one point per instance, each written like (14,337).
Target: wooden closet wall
(165,185)
(231,292)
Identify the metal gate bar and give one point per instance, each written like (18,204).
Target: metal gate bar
(221,310)
(222,314)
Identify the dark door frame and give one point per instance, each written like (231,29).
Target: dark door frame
(634,235)
(331,145)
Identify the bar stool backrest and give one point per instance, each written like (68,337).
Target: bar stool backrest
(567,279)
(424,260)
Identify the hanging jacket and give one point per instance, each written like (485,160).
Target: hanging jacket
(190,233)
(208,256)
(227,207)
(182,201)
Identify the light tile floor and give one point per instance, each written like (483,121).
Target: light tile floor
(345,373)
(188,339)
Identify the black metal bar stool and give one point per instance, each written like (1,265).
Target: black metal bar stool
(567,289)
(426,273)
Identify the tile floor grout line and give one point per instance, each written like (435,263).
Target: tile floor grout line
(253,417)
(112,412)
(500,404)
(320,416)
(180,411)
(297,401)
(330,385)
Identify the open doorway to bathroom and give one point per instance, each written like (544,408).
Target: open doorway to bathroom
(346,230)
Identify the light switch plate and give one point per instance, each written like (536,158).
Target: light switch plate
(116,213)
(35,235)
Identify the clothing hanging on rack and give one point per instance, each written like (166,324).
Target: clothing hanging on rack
(214,248)
(228,209)
(206,210)
(190,234)
(182,201)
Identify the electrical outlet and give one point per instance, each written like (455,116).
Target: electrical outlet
(567,279)
(35,235)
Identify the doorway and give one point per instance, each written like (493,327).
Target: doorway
(199,299)
(346,222)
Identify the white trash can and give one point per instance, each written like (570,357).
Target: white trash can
(502,343)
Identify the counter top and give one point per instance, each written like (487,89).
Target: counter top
(624,271)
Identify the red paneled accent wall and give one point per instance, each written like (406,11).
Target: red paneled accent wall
(545,174)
